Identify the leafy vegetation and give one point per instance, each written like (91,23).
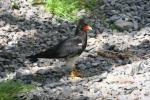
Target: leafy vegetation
(9,89)
(68,9)
(14,5)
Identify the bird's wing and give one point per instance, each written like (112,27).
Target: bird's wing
(67,48)
(70,47)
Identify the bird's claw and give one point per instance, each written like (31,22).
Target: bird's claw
(75,74)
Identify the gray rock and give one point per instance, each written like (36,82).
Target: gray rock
(82,66)
(24,74)
(5,4)
(2,59)
(43,72)
(124,24)
(94,64)
(2,23)
(67,91)
(80,98)
(113,18)
(144,67)
(136,26)
(91,34)
(26,31)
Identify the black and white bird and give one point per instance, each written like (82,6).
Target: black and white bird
(69,49)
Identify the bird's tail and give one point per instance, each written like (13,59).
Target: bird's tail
(49,53)
(34,58)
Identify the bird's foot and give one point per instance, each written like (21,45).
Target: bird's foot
(75,74)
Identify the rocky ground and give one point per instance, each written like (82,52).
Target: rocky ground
(115,64)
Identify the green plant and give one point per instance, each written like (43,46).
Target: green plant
(14,4)
(9,89)
(68,9)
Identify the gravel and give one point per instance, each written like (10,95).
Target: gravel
(115,64)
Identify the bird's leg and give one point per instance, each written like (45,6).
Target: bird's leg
(75,73)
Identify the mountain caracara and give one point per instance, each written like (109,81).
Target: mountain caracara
(69,48)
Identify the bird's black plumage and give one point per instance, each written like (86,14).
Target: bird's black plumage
(67,48)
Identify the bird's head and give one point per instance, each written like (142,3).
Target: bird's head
(86,28)
(83,26)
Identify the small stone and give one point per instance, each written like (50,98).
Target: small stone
(144,67)
(95,64)
(136,26)
(67,91)
(2,59)
(80,97)
(82,66)
(42,71)
(124,24)
(114,18)
(24,74)
(2,23)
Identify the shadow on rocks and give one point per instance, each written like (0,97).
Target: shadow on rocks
(21,37)
(127,17)
(105,60)
(142,51)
